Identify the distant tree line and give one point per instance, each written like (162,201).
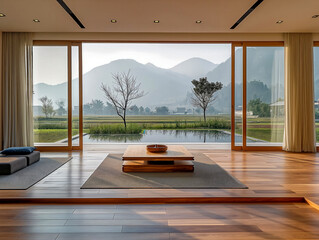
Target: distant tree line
(259,108)
(48,109)
(98,107)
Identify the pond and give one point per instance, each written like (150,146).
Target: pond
(164,136)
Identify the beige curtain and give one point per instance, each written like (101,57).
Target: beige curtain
(299,133)
(17,124)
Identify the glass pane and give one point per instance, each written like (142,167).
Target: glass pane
(238,96)
(265,95)
(316,79)
(50,95)
(75,95)
(165,113)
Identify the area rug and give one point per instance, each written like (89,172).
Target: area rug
(27,177)
(207,174)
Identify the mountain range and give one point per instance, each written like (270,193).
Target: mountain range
(172,87)
(162,86)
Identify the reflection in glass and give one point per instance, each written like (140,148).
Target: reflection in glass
(75,92)
(239,94)
(265,94)
(316,79)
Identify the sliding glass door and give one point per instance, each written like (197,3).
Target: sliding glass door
(56,95)
(265,95)
(237,96)
(316,86)
(258,95)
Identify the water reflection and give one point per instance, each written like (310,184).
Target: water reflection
(122,138)
(160,136)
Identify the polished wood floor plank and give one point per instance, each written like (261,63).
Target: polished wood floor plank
(28,236)
(272,174)
(115,236)
(257,221)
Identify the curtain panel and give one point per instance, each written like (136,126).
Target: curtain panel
(299,133)
(17,90)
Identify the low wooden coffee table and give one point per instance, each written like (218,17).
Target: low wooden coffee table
(177,159)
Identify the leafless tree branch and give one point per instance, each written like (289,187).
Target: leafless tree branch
(124,91)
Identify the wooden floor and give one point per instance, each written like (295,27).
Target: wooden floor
(267,174)
(160,222)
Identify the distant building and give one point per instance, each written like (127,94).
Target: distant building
(239,112)
(180,110)
(277,109)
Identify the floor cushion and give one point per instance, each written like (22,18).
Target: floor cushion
(9,165)
(31,158)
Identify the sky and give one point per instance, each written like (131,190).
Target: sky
(50,63)
(161,55)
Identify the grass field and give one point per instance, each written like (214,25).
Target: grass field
(55,129)
(51,135)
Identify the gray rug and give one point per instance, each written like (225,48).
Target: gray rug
(30,175)
(207,174)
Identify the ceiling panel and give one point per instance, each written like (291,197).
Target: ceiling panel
(296,14)
(179,16)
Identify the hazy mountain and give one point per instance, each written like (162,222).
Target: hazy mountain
(259,61)
(194,67)
(54,92)
(222,73)
(162,86)
(171,87)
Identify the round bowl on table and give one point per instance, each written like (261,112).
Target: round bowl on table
(156,148)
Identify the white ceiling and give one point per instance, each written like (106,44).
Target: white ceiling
(176,16)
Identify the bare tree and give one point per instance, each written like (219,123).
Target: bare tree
(47,106)
(124,91)
(203,93)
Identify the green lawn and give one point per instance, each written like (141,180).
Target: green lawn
(51,135)
(265,134)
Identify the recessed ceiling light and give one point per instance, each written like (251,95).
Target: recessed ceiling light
(36,20)
(113,21)
(156,21)
(280,21)
(198,21)
(2,15)
(315,16)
